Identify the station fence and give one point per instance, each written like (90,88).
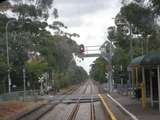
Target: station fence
(28,95)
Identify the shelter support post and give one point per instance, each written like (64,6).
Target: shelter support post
(132,76)
(151,88)
(158,73)
(143,89)
(136,81)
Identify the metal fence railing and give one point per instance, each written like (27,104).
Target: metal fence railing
(123,89)
(29,95)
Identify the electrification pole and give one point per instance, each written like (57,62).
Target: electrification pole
(24,81)
(131,42)
(110,68)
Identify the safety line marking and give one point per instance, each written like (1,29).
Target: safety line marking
(124,109)
(112,116)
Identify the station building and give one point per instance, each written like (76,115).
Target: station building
(145,76)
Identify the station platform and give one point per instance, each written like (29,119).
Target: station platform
(133,106)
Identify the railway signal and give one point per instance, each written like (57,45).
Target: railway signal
(82,49)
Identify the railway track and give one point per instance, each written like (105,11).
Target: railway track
(42,110)
(92,108)
(88,87)
(74,112)
(92,111)
(108,114)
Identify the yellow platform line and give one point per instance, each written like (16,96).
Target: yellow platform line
(111,115)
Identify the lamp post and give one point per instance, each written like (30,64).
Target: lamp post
(7,50)
(8,61)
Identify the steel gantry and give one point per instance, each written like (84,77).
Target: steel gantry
(105,51)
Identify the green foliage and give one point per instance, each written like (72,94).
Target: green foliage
(24,10)
(155,6)
(3,67)
(141,20)
(98,70)
(36,68)
(3,20)
(140,17)
(122,41)
(45,3)
(33,47)
(154,41)
(120,57)
(73,75)
(40,10)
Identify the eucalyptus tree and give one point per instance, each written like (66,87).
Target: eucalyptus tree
(32,46)
(99,69)
(155,6)
(144,20)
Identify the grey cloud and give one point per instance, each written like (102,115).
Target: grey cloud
(74,22)
(74,1)
(81,7)
(72,10)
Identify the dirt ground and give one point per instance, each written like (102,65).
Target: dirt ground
(8,109)
(11,108)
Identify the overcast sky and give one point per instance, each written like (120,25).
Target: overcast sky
(90,19)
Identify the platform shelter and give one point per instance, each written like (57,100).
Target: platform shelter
(145,74)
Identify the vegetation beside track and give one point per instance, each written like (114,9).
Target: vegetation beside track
(35,49)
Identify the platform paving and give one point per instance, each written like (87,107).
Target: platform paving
(133,106)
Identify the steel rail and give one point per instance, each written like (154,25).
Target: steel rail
(49,106)
(73,114)
(92,108)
